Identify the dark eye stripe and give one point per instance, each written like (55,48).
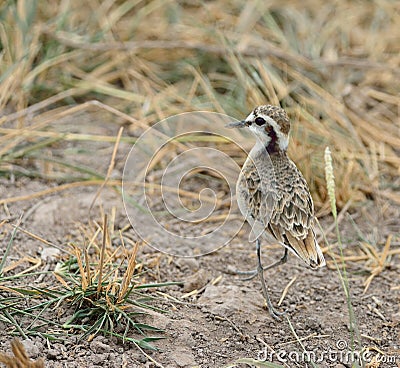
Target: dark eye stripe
(259,121)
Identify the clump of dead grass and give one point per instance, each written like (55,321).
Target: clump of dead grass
(332,66)
(101,289)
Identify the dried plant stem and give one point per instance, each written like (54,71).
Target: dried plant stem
(102,254)
(330,183)
(110,169)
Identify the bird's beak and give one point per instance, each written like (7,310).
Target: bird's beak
(236,124)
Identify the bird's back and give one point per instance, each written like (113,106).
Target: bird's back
(274,198)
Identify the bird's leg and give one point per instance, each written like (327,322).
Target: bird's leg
(253,273)
(260,272)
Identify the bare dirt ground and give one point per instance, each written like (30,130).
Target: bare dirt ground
(225,319)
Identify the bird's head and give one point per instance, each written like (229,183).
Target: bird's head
(270,124)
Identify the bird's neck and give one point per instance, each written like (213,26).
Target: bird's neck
(271,145)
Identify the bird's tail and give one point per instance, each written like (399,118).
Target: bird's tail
(307,249)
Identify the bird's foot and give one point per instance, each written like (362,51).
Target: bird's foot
(272,311)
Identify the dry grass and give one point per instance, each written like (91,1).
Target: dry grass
(333,66)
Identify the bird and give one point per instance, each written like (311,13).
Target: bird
(273,195)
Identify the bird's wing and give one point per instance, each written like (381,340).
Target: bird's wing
(292,218)
(278,204)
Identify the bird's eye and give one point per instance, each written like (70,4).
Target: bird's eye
(259,121)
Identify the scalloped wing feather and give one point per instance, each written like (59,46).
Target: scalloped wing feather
(279,205)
